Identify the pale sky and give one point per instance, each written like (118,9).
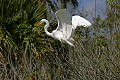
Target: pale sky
(89,6)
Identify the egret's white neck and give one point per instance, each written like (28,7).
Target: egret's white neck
(46,27)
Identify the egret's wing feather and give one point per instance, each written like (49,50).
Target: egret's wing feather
(64,23)
(79,21)
(59,27)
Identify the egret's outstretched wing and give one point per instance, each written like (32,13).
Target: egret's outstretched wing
(79,21)
(64,22)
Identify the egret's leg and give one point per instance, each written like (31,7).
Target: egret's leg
(65,40)
(69,43)
(71,40)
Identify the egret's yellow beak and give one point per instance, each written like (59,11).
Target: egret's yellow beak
(37,23)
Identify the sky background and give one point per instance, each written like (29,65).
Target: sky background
(89,6)
(86,8)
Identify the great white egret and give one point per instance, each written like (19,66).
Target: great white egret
(66,26)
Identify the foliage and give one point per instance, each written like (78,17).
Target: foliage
(59,4)
(19,38)
(26,53)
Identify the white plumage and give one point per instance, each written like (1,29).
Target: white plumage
(66,25)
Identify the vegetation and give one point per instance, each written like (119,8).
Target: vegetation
(27,53)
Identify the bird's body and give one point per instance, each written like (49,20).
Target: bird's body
(56,34)
(66,26)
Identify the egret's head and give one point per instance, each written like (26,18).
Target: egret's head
(40,22)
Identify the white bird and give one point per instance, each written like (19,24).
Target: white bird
(66,26)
